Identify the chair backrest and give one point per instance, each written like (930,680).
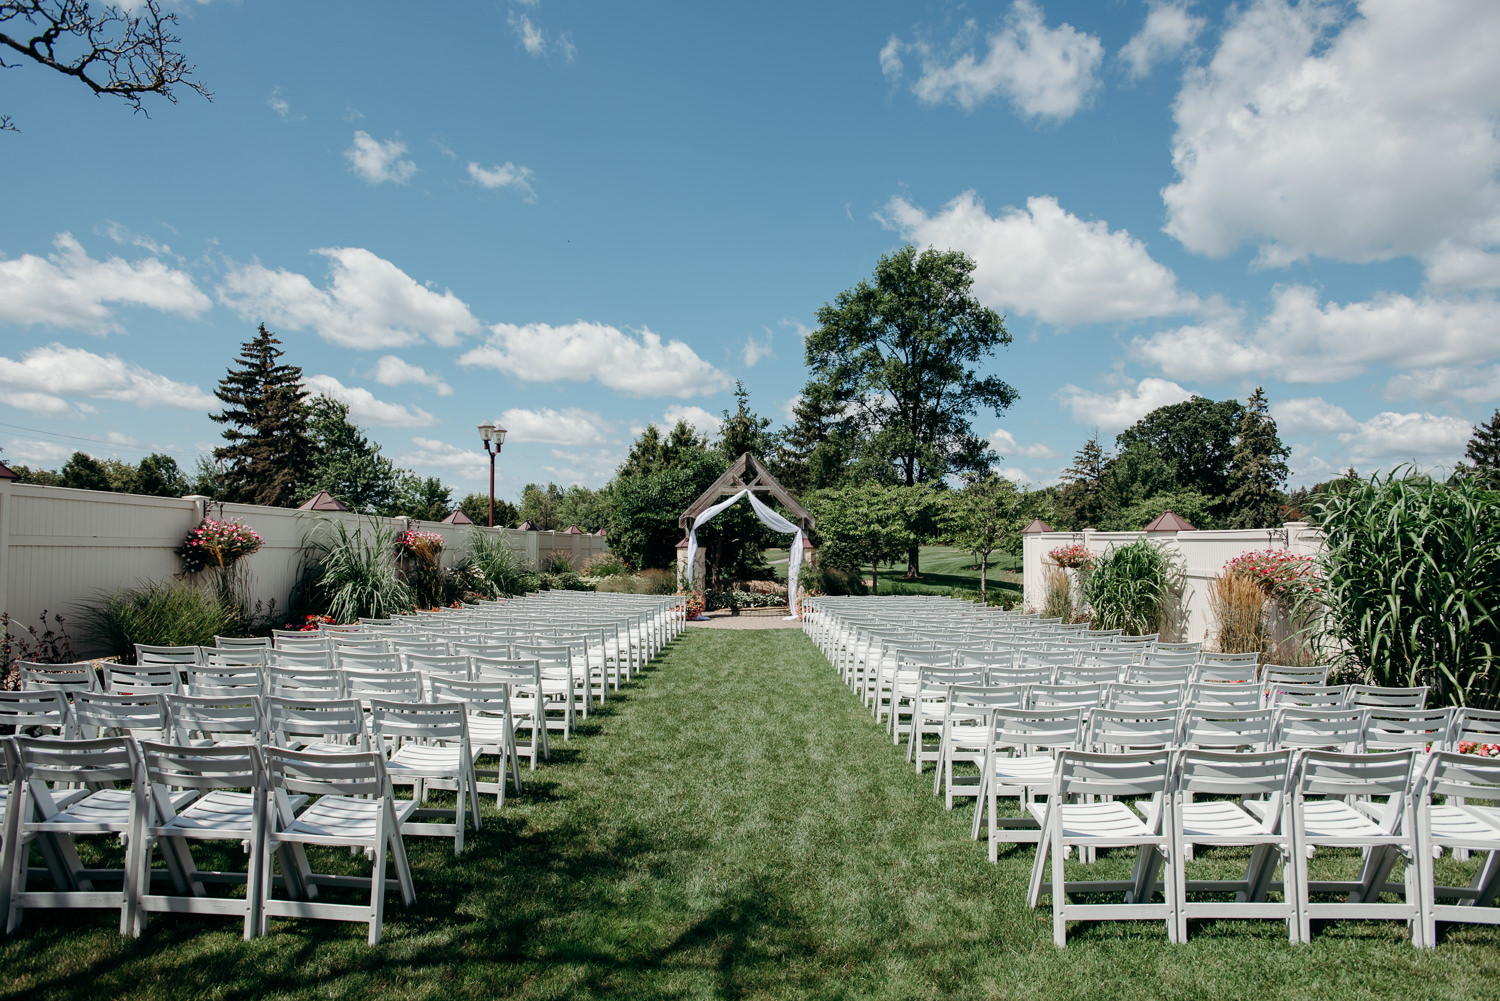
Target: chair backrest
(298,641)
(1238,659)
(1158,658)
(1039,675)
(1476,726)
(1028,730)
(1377,696)
(242,642)
(98,712)
(359,774)
(524,673)
(304,683)
(36,708)
(479,696)
(1090,773)
(424,722)
(1238,674)
(234,656)
(1180,647)
(1256,774)
(1309,696)
(318,660)
(401,644)
(1055,659)
(1391,728)
(1130,696)
(1287,674)
(63,677)
(1339,775)
(391,686)
(556,661)
(367,660)
(485,647)
(139,678)
(98,761)
(1103,674)
(1131,729)
(430,665)
(975,701)
(1215,727)
(1473,778)
(1223,694)
(355,642)
(1065,696)
(146,653)
(236,719)
(294,722)
(935,681)
(1333,729)
(204,769)
(1122,660)
(1148,674)
(231,679)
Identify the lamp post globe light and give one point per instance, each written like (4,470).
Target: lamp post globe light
(493,437)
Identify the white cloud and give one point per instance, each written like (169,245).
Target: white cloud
(63,372)
(507,175)
(569,426)
(126,237)
(468,465)
(369,302)
(756,349)
(377,161)
(1304,341)
(1350,134)
(640,365)
(1044,72)
(364,408)
(890,58)
(43,454)
(535,41)
(589,467)
(70,289)
(1045,262)
(1447,382)
(393,371)
(1005,443)
(700,420)
(1169,29)
(1123,407)
(282,107)
(1389,439)
(1310,415)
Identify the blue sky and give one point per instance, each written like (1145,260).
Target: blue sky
(574,218)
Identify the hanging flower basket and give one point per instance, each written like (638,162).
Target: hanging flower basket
(424,546)
(1074,557)
(217,544)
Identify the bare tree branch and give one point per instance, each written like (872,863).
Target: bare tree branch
(112,51)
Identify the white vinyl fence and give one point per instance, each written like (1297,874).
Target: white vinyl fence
(1203,553)
(62,548)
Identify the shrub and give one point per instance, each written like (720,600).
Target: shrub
(1412,593)
(503,569)
(1238,604)
(354,573)
(568,581)
(49,646)
(831,580)
(658,581)
(556,565)
(742,599)
(1058,603)
(161,612)
(605,565)
(1133,587)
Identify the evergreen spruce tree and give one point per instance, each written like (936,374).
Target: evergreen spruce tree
(1484,450)
(1081,502)
(1257,470)
(269,455)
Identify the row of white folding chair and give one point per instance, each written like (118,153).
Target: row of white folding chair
(1396,807)
(159,798)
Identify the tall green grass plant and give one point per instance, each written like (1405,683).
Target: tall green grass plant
(354,573)
(1135,587)
(171,612)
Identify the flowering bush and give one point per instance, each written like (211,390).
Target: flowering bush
(1483,750)
(1074,557)
(312,624)
(694,603)
(803,593)
(424,546)
(217,544)
(1280,574)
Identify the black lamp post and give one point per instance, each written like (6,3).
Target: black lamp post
(492,436)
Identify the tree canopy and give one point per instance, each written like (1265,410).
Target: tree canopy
(266,425)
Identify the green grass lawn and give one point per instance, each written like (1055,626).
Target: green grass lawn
(734,825)
(943,567)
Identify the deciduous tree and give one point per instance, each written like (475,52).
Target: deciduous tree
(979,517)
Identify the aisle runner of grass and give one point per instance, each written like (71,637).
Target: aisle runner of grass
(734,826)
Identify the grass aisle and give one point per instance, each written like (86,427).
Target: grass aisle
(734,826)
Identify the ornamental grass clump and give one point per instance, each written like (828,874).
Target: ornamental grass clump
(1412,584)
(170,612)
(1133,587)
(1059,601)
(503,569)
(353,574)
(1239,609)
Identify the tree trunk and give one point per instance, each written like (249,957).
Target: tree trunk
(914,562)
(984,568)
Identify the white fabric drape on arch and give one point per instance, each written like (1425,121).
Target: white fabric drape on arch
(768,518)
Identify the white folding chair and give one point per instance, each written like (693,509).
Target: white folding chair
(491,728)
(527,703)
(1020,753)
(964,733)
(429,744)
(354,806)
(64,677)
(224,720)
(324,726)
(114,808)
(1087,810)
(103,714)
(230,805)
(1462,822)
